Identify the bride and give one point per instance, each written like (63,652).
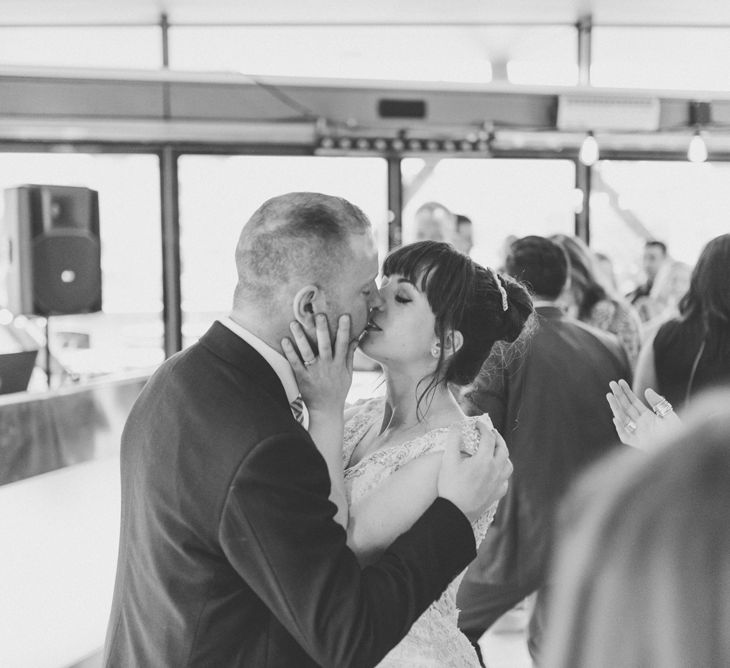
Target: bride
(441,313)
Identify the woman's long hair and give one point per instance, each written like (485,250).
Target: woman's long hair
(707,302)
(583,274)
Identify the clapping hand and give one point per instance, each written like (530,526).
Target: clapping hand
(635,424)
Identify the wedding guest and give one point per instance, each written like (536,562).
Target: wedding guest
(642,575)
(464,234)
(548,403)
(589,300)
(692,351)
(605,268)
(654,256)
(667,280)
(435,222)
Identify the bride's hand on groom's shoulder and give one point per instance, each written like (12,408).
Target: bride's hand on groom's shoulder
(324,378)
(474,483)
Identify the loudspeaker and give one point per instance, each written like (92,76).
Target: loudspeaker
(53,250)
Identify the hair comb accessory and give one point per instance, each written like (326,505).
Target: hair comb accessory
(502,291)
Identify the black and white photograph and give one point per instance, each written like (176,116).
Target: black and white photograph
(364,334)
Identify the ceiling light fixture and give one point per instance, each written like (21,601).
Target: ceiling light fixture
(697,151)
(589,153)
(700,116)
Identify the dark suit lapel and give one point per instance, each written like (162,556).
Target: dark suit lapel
(231,348)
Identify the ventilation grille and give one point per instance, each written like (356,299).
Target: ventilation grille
(586,112)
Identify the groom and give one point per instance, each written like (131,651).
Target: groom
(229,554)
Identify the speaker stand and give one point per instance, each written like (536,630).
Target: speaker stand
(47,332)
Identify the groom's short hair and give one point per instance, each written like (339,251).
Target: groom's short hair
(300,236)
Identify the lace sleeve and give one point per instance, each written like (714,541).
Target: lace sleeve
(469,435)
(471,444)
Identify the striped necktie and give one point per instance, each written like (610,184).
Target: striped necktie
(297,409)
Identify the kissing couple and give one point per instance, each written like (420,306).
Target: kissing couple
(250,540)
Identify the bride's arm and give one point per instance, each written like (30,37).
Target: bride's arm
(324,383)
(394,505)
(326,429)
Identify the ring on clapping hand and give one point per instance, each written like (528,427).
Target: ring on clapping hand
(309,363)
(662,408)
(630,426)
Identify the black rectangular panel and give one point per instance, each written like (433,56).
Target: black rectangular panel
(402,108)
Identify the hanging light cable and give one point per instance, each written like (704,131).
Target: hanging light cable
(588,154)
(697,151)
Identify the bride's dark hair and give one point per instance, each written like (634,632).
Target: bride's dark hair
(463,296)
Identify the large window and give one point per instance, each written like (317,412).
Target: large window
(528,55)
(219,194)
(501,197)
(669,58)
(127,334)
(117,47)
(680,203)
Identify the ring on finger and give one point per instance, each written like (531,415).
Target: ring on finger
(662,408)
(630,426)
(309,363)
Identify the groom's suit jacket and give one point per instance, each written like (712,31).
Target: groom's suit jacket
(229,554)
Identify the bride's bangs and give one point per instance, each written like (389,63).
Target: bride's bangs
(413,262)
(439,271)
(426,264)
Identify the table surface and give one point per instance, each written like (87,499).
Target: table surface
(60,537)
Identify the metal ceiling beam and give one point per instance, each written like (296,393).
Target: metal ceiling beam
(78,105)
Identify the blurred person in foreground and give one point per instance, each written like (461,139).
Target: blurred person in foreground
(692,351)
(642,574)
(589,300)
(441,314)
(548,403)
(229,552)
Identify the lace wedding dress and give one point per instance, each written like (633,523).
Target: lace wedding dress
(434,640)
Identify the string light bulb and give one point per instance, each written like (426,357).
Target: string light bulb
(697,151)
(588,154)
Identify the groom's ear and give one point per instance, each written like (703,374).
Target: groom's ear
(304,305)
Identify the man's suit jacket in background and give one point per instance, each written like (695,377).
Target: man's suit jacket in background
(550,405)
(229,554)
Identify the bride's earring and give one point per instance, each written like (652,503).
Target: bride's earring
(435,352)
